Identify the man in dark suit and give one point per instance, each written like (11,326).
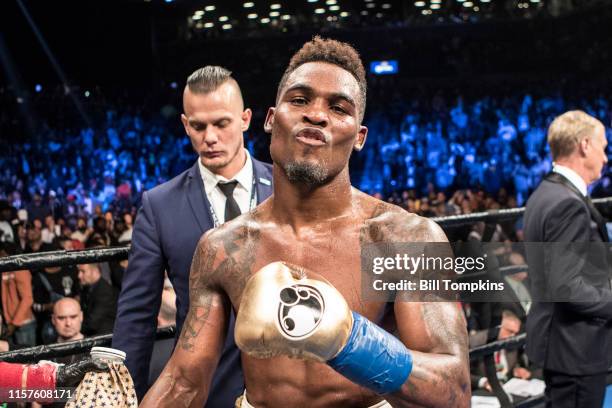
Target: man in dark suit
(568,326)
(98,301)
(223,183)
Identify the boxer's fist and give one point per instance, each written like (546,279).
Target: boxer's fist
(287,311)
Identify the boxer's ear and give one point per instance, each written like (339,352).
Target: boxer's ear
(269,120)
(361,138)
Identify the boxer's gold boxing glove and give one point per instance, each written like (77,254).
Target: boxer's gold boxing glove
(286,311)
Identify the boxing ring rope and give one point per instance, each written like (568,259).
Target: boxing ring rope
(106,254)
(61,258)
(47,351)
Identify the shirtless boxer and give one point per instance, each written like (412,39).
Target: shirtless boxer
(315,219)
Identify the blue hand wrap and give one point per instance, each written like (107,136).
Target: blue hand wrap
(373,358)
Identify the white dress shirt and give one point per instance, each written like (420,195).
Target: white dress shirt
(242,192)
(572,176)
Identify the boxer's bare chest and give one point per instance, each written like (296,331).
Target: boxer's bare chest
(331,249)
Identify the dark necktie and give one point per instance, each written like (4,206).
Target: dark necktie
(231,206)
(598,218)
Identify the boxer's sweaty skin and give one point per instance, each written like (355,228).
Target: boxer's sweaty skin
(321,228)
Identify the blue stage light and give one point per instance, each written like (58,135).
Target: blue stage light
(384,67)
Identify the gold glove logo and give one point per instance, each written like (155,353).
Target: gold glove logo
(299,311)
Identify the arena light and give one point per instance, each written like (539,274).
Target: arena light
(331,2)
(485,1)
(274,14)
(468,4)
(534,1)
(198,13)
(275,6)
(364,12)
(210,8)
(223,18)
(435,6)
(386,6)
(426,12)
(248,4)
(436,1)
(226,26)
(384,67)
(265,20)
(87,93)
(419,4)
(334,8)
(319,11)
(197,17)
(252,16)
(312,1)
(476,8)
(285,17)
(209,25)
(38,88)
(370,5)
(344,14)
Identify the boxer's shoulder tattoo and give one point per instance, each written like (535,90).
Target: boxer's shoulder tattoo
(390,223)
(240,248)
(222,262)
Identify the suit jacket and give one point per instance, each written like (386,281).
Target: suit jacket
(99,303)
(170,222)
(570,336)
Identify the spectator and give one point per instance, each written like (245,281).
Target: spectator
(37,210)
(48,286)
(126,236)
(507,361)
(98,301)
(17,302)
(81,233)
(34,235)
(51,230)
(67,319)
(6,218)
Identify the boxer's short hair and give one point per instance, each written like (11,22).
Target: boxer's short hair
(567,130)
(332,52)
(208,79)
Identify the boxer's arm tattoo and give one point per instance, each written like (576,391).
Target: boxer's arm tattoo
(200,298)
(445,366)
(440,374)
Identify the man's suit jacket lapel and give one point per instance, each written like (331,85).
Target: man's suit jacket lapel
(595,214)
(198,200)
(263,181)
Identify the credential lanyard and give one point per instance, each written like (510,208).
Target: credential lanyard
(252,203)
